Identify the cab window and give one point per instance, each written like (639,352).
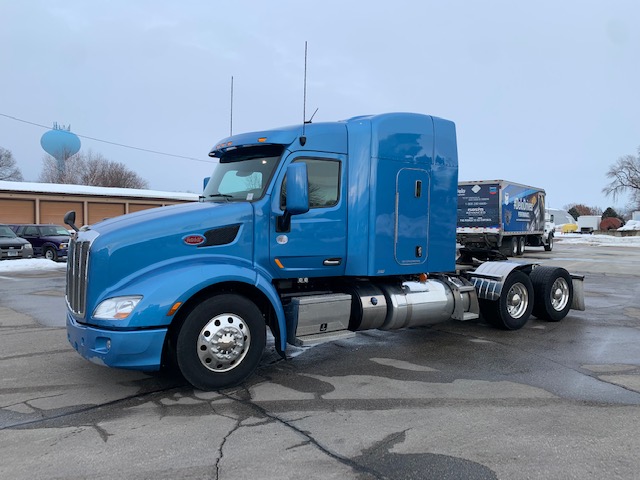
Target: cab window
(324,183)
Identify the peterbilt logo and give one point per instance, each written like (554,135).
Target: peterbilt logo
(194,239)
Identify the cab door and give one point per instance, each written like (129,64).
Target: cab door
(315,244)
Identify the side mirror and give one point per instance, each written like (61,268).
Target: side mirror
(70,219)
(297,188)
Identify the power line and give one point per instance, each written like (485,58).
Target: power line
(110,143)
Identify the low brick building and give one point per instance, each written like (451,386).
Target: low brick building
(24,202)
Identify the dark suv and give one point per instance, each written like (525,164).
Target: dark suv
(52,241)
(12,246)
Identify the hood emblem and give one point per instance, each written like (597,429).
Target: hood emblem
(194,239)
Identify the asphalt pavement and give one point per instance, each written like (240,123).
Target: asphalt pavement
(459,400)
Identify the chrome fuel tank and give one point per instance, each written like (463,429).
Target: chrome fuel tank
(414,304)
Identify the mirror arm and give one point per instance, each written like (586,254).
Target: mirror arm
(284,222)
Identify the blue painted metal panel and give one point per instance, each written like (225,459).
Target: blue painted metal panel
(412,216)
(137,350)
(398,141)
(360,186)
(315,246)
(444,184)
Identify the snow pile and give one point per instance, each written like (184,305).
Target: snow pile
(631,225)
(598,240)
(30,265)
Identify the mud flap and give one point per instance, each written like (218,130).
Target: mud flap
(578,292)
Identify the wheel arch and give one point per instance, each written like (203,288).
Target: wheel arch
(263,299)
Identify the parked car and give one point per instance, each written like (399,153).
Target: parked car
(12,246)
(51,241)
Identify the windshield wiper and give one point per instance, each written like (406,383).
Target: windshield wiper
(223,195)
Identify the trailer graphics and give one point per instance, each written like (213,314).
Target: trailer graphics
(501,215)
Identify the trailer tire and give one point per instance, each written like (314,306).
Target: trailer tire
(221,342)
(513,309)
(553,293)
(549,245)
(521,245)
(509,247)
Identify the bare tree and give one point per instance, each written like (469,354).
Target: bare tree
(91,169)
(8,169)
(625,177)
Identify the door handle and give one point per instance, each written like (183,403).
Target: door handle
(332,262)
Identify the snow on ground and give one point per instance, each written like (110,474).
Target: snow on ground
(30,265)
(597,240)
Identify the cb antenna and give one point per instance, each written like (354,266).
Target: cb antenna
(303,139)
(231,110)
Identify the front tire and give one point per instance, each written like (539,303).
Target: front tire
(513,309)
(50,254)
(549,245)
(221,341)
(553,291)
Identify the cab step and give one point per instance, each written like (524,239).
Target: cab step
(318,338)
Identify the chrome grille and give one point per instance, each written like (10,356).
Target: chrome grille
(77,264)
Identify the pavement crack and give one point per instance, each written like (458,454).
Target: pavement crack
(308,438)
(104,435)
(91,408)
(221,447)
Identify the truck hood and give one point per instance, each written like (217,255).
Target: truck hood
(136,244)
(15,242)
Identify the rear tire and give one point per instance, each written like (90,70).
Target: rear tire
(553,291)
(221,341)
(509,247)
(521,245)
(513,309)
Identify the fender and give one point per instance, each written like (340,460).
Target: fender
(489,277)
(177,281)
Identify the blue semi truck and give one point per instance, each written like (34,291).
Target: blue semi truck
(313,231)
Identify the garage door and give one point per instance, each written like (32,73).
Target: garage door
(102,211)
(136,207)
(17,211)
(54,212)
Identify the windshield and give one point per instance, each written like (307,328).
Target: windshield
(51,230)
(241,177)
(6,232)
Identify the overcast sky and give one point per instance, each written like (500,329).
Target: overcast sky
(545,93)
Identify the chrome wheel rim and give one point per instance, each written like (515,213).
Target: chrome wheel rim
(517,300)
(223,342)
(559,294)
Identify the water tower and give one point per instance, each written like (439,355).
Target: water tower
(60,143)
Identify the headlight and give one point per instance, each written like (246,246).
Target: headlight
(117,308)
(63,246)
